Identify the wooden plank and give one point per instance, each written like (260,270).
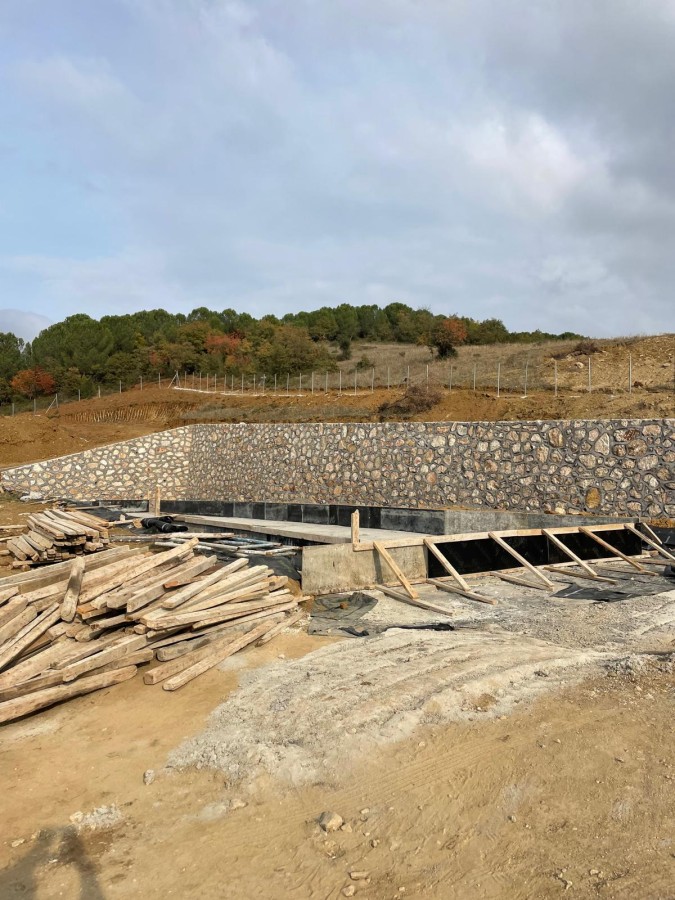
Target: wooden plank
(566,570)
(521,559)
(613,550)
(404,598)
(134,569)
(282,626)
(396,569)
(650,543)
(651,532)
(44,621)
(469,594)
(22,706)
(431,546)
(192,590)
(220,613)
(355,520)
(471,536)
(7,594)
(198,565)
(115,652)
(568,553)
(523,582)
(69,602)
(28,581)
(15,619)
(217,654)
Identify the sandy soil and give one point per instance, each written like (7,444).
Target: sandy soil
(481,763)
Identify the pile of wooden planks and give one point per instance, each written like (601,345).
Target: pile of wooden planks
(57,534)
(86,627)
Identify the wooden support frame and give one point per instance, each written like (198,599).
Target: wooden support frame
(396,569)
(566,550)
(447,565)
(636,565)
(521,559)
(650,543)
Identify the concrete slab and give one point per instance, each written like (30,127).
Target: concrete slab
(301,531)
(328,569)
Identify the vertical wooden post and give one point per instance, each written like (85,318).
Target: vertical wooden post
(355,529)
(155,502)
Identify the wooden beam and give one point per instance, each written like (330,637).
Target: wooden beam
(521,559)
(447,565)
(651,532)
(469,594)
(566,550)
(477,536)
(69,602)
(396,569)
(421,604)
(355,529)
(603,543)
(650,543)
(14,709)
(521,581)
(565,569)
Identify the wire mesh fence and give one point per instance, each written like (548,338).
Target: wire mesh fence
(524,378)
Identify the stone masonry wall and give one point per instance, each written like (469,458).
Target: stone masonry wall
(621,467)
(614,468)
(128,470)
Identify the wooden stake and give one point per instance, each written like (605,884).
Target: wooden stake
(421,604)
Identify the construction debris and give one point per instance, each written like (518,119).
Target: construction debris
(88,628)
(56,534)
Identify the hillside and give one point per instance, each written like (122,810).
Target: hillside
(90,423)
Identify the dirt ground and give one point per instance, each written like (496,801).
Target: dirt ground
(480,763)
(80,426)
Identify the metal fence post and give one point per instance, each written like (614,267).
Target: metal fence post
(630,373)
(526,367)
(589,375)
(372,379)
(499,373)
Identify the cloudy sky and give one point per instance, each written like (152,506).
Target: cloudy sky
(487,157)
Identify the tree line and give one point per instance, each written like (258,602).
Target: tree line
(80,353)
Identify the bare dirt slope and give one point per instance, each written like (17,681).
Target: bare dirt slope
(91,423)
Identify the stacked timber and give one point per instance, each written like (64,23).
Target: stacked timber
(54,535)
(86,628)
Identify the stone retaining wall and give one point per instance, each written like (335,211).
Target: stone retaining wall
(621,467)
(127,470)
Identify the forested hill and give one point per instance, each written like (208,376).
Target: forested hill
(80,352)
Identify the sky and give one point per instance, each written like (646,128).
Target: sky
(481,157)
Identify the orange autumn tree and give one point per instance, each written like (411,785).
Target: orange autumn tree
(33,382)
(447,334)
